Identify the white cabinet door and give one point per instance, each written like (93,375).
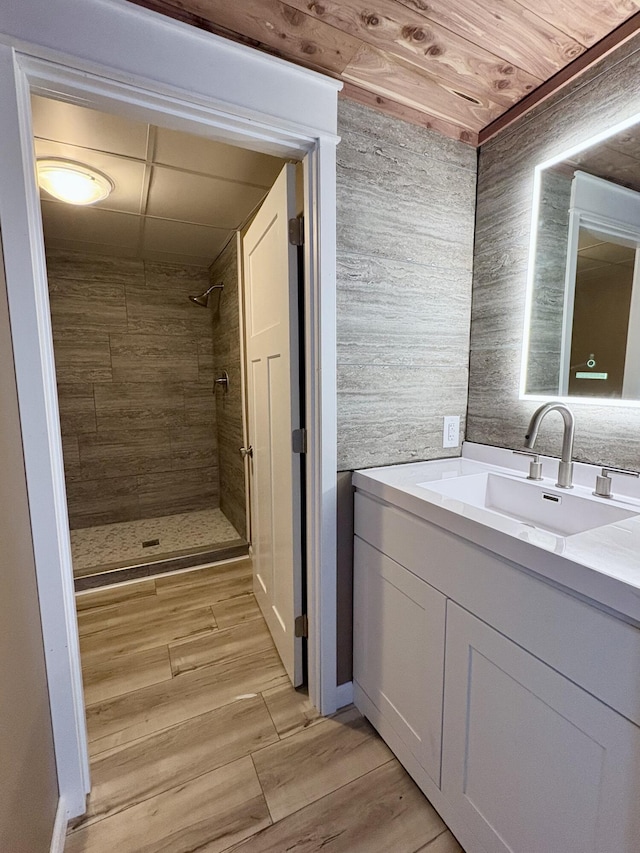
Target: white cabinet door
(399,651)
(532,763)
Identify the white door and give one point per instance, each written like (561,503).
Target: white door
(271,296)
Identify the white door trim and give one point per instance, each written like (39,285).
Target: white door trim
(152,68)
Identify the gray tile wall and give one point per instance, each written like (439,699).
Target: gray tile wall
(405,248)
(406,201)
(602,97)
(227,356)
(134,362)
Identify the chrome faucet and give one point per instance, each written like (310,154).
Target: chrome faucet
(565,467)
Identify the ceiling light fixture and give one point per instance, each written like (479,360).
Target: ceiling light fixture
(73,183)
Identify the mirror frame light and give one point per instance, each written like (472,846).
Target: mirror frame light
(533,242)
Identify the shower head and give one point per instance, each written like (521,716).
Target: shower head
(203,298)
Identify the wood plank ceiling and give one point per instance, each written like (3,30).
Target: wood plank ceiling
(452,65)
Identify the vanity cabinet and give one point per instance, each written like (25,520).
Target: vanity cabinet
(513,704)
(399,625)
(532,763)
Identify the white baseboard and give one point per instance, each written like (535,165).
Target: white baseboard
(344,694)
(59,833)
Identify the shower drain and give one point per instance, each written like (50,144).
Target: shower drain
(148,543)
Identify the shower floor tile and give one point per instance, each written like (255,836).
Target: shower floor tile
(111,545)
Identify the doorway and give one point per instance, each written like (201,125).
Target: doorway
(229,94)
(146,300)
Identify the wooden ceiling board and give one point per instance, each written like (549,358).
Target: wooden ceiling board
(280,27)
(402,32)
(390,76)
(505,28)
(422,59)
(410,114)
(587,21)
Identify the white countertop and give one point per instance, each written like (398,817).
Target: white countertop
(602,564)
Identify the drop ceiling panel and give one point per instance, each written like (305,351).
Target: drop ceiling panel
(88,128)
(181,238)
(127,175)
(89,225)
(196,154)
(203,200)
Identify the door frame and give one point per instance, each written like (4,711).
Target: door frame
(164,72)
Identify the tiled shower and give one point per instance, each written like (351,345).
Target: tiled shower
(149,441)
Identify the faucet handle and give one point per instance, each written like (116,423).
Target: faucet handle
(603,481)
(535,466)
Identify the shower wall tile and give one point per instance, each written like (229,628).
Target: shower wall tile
(406,201)
(70,308)
(199,404)
(82,355)
(138,405)
(153,358)
(227,356)
(102,501)
(111,454)
(77,408)
(93,270)
(194,447)
(154,413)
(193,489)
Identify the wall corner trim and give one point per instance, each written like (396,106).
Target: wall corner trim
(59,834)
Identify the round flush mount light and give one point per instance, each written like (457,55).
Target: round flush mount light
(72,182)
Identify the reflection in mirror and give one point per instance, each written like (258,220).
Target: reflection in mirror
(583,336)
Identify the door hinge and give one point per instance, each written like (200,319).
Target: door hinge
(296,231)
(301,626)
(299,441)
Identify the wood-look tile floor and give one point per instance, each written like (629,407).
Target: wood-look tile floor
(199,743)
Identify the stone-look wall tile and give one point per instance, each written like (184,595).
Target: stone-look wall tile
(379,295)
(87,305)
(82,355)
(395,412)
(193,489)
(194,446)
(117,454)
(77,408)
(397,204)
(406,201)
(603,96)
(154,358)
(138,405)
(102,501)
(154,414)
(227,356)
(93,269)
(199,404)
(408,137)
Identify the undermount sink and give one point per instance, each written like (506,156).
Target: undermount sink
(554,510)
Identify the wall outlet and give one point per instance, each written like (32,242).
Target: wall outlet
(451,431)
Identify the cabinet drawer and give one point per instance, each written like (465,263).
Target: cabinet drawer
(532,763)
(399,624)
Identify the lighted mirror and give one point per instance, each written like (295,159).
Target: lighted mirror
(582,335)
